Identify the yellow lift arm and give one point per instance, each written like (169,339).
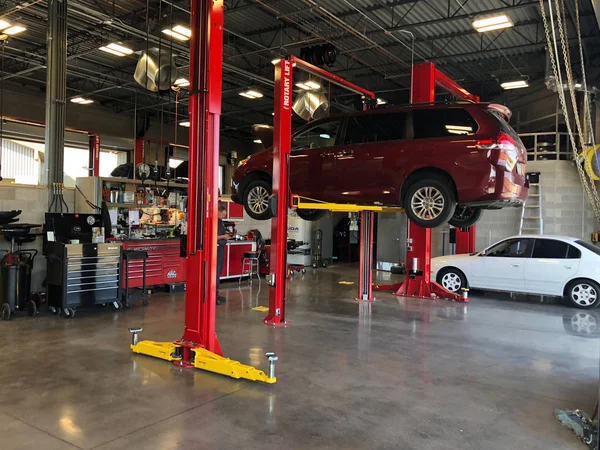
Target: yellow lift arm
(299,202)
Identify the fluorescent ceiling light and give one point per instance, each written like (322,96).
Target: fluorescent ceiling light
(182,82)
(81,101)
(381,101)
(4,24)
(174,163)
(185,123)
(515,84)
(185,31)
(116,49)
(308,85)
(257,141)
(275,61)
(178,32)
(251,94)
(15,29)
(492,23)
(577,86)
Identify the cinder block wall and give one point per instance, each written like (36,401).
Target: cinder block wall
(565,208)
(33,201)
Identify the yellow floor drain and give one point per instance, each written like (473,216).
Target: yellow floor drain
(346,282)
(260,308)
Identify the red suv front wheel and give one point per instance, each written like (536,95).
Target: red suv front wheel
(429,202)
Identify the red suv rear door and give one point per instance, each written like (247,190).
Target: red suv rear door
(445,139)
(373,157)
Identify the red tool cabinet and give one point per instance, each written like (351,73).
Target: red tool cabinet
(164,264)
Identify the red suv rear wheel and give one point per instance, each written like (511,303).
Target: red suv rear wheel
(429,202)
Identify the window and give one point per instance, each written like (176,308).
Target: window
(320,136)
(512,248)
(375,128)
(573,253)
(432,123)
(591,247)
(221,178)
(549,248)
(504,126)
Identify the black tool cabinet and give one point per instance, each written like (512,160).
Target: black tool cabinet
(83,275)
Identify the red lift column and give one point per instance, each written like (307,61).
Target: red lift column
(465,240)
(418,250)
(282,142)
(94,159)
(365,273)
(206,65)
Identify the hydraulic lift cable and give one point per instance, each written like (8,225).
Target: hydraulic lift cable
(588,184)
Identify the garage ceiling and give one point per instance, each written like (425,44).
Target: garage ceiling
(371,37)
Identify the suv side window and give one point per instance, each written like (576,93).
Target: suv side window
(432,123)
(320,136)
(362,129)
(550,249)
(512,248)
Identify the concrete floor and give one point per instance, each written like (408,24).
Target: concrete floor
(396,374)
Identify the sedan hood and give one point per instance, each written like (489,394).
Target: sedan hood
(448,258)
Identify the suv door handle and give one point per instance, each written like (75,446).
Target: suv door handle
(568,267)
(515,265)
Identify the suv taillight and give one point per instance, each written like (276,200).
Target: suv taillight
(502,142)
(508,154)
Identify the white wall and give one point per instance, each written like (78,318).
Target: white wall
(33,201)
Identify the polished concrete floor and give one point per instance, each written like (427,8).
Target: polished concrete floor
(396,374)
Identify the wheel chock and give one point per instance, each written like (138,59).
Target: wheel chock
(212,362)
(161,350)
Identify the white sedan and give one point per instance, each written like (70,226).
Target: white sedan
(532,264)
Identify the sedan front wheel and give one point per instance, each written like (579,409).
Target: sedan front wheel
(452,279)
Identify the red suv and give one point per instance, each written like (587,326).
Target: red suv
(440,162)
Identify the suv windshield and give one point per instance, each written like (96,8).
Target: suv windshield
(504,126)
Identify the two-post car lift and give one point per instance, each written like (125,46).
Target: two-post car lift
(199,346)
(418,256)
(418,284)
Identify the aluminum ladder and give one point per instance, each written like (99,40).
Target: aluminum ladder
(532,221)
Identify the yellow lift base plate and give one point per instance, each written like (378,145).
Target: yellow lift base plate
(203,360)
(309,203)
